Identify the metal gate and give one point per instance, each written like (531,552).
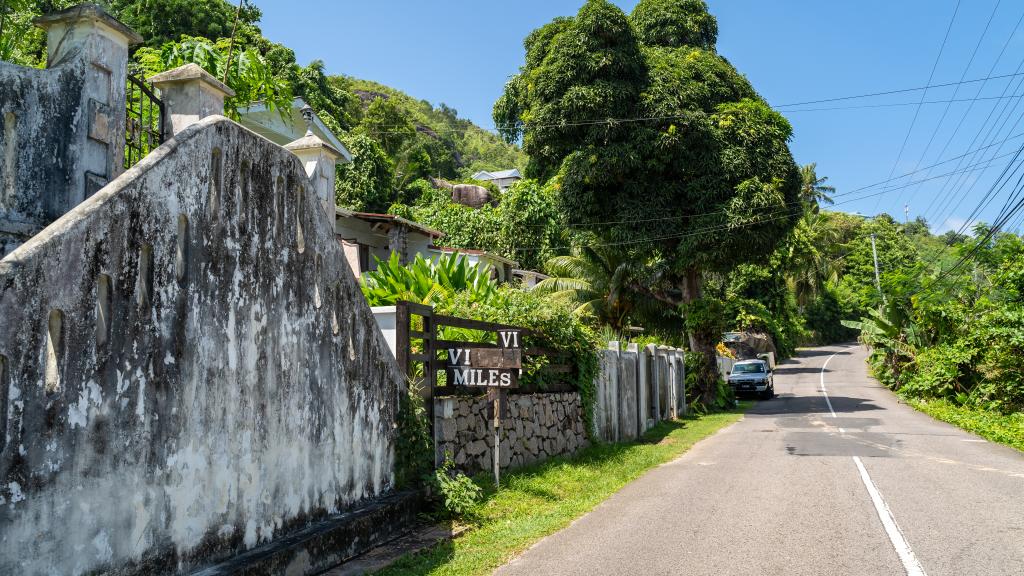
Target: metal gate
(144,121)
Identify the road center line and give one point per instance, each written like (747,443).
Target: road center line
(892,529)
(825,392)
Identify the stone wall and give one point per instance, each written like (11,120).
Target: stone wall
(538,427)
(188,368)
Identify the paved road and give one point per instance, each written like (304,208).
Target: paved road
(841,481)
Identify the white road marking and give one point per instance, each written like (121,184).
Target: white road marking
(825,392)
(892,529)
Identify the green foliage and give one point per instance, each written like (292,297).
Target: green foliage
(1003,428)
(601,283)
(524,227)
(457,148)
(551,325)
(458,491)
(21,41)
(413,443)
(428,281)
(388,124)
(248,73)
(712,162)
(163,21)
(364,183)
(675,23)
(723,397)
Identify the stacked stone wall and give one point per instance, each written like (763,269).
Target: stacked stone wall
(538,427)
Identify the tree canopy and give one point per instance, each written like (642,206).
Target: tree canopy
(659,142)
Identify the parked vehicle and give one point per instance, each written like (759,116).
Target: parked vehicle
(752,376)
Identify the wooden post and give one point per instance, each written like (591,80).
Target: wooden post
(402,344)
(495,396)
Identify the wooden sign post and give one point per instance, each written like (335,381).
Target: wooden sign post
(496,369)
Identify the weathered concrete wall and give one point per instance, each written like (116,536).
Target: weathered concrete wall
(637,388)
(539,426)
(63,127)
(189,367)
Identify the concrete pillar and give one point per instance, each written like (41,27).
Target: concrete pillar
(86,32)
(654,384)
(319,159)
(398,242)
(189,94)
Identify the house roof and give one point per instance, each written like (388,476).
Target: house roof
(497,175)
(388,218)
(269,124)
(470,251)
(534,273)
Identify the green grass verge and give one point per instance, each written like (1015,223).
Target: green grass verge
(537,501)
(1003,428)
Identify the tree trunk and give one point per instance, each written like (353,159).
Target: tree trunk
(707,374)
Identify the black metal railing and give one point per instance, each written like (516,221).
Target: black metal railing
(144,121)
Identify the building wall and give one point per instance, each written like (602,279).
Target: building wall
(188,367)
(538,427)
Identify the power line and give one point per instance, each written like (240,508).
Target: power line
(956,90)
(967,112)
(917,111)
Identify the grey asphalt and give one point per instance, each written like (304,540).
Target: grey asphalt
(780,493)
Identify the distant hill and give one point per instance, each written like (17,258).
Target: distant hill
(473,147)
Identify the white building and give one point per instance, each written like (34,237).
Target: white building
(281,130)
(503,179)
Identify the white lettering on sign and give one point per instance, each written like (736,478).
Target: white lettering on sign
(457,354)
(509,339)
(482,377)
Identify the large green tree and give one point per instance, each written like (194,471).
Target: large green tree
(660,144)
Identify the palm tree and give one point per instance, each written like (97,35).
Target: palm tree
(810,264)
(814,190)
(600,282)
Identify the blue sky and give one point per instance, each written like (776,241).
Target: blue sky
(460,52)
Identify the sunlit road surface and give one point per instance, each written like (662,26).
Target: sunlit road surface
(833,476)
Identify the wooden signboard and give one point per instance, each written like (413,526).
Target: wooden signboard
(487,367)
(496,369)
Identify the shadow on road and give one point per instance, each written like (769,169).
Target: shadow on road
(815,354)
(786,404)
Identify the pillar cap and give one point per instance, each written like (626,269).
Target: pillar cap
(190,72)
(91,12)
(313,142)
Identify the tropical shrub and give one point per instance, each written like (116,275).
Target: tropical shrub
(429,281)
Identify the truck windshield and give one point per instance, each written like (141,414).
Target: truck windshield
(747,368)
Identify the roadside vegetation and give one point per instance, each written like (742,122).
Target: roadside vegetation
(539,500)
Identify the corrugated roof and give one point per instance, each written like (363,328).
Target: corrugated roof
(500,174)
(473,252)
(374,217)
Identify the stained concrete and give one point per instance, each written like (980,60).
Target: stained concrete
(191,368)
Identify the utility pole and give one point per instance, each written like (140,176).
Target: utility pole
(906,214)
(878,278)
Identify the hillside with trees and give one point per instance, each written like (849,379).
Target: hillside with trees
(395,139)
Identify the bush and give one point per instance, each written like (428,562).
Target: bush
(428,281)
(551,326)
(941,371)
(458,491)
(824,318)
(414,450)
